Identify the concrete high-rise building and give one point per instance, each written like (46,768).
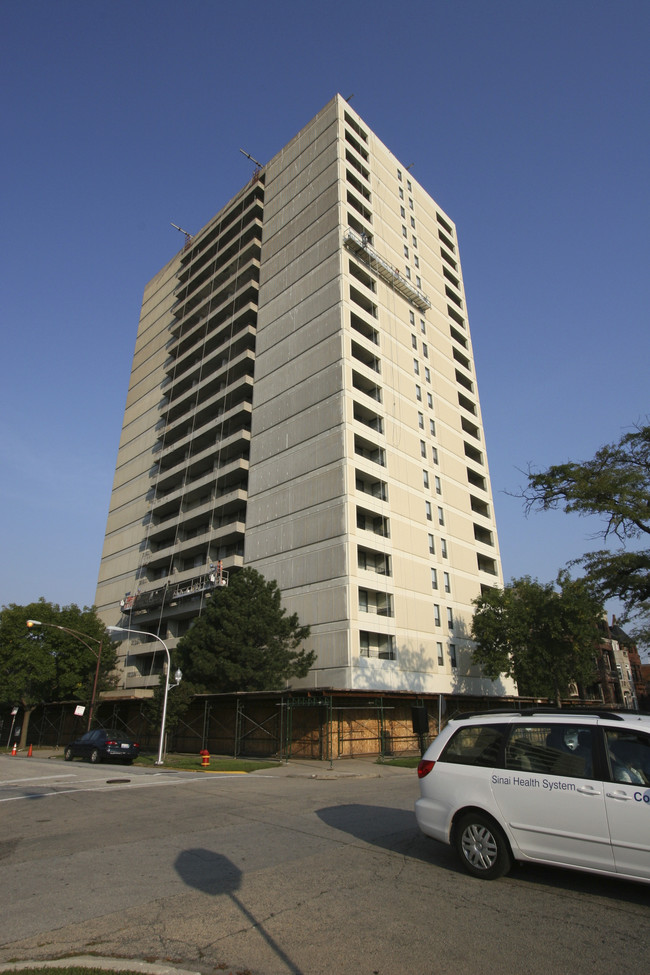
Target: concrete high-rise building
(303,400)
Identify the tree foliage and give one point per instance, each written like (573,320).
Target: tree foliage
(615,486)
(244,641)
(45,664)
(543,635)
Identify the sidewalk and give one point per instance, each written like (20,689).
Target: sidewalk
(337,768)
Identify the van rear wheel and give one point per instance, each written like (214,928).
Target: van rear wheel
(482,846)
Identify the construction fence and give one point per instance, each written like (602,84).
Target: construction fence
(279,725)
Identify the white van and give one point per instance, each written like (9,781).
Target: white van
(568,788)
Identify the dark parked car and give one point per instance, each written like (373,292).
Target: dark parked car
(103,745)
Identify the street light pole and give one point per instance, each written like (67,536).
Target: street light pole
(97,653)
(119,632)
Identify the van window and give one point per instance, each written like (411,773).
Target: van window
(551,749)
(628,753)
(480,745)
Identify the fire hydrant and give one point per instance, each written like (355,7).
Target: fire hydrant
(205,757)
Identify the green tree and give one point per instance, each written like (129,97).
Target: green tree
(615,486)
(542,636)
(244,641)
(45,664)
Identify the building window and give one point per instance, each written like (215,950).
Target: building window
(452,655)
(450,618)
(418,281)
(427,508)
(412,318)
(416,260)
(414,240)
(443,547)
(423,325)
(421,421)
(404,232)
(401,193)
(408,273)
(434,455)
(406,250)
(436,614)
(413,222)
(402,213)
(414,341)
(425,478)
(408,185)
(447,582)
(438,485)
(427,374)
(430,400)
(418,393)
(416,367)
(441,659)
(441,516)
(425,350)
(399,175)
(423,448)
(432,545)
(432,424)
(434,579)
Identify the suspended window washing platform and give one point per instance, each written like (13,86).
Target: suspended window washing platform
(171,593)
(360,247)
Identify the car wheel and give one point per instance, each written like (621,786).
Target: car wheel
(95,756)
(68,754)
(482,846)
(128,761)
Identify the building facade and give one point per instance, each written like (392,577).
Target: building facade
(303,401)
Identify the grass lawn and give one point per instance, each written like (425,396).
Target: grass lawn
(217,763)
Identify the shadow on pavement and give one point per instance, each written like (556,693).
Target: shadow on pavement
(396,830)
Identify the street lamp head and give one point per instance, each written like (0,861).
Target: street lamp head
(178,676)
(31,623)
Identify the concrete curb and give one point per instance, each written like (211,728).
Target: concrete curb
(106,964)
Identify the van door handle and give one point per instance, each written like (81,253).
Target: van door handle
(588,790)
(619,795)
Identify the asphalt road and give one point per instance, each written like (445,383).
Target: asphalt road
(288,871)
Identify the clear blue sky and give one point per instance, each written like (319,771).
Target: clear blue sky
(527,121)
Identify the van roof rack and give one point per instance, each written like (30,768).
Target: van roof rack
(529,712)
